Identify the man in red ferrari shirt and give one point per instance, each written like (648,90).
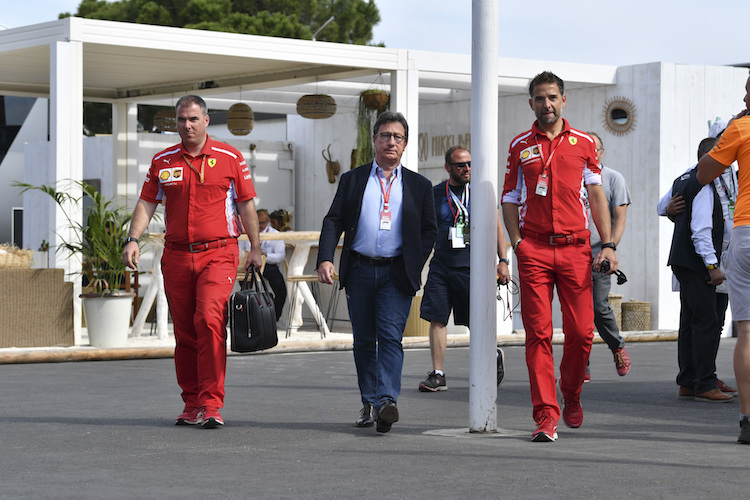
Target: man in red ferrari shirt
(205,185)
(544,209)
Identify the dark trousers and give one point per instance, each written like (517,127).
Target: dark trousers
(698,337)
(378,312)
(604,316)
(278,286)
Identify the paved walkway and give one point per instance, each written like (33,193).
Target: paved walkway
(303,340)
(105,430)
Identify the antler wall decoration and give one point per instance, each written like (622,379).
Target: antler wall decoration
(332,167)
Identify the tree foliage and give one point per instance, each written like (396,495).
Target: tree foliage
(353,21)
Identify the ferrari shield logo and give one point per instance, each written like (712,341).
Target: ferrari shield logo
(573,140)
(211,162)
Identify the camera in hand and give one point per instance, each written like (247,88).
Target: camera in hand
(605,266)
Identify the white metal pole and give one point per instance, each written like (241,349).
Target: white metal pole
(484,127)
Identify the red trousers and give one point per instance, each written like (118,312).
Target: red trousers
(198,286)
(540,267)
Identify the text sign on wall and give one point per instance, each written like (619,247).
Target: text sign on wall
(437,145)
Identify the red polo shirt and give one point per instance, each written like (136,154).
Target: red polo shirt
(570,164)
(199,209)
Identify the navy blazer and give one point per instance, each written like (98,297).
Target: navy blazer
(418,226)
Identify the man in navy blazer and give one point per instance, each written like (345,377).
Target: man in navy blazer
(388,216)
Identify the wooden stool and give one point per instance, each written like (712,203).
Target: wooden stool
(312,279)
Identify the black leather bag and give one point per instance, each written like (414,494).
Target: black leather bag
(252,316)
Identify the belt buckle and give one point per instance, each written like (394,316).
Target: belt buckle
(555,237)
(198,247)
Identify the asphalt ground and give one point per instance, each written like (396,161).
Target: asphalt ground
(105,429)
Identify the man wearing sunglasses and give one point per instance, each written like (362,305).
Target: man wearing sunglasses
(388,216)
(447,286)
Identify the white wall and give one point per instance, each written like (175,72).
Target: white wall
(691,96)
(311,137)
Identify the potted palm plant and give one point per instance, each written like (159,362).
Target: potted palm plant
(98,243)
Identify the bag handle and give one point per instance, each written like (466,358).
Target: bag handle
(255,280)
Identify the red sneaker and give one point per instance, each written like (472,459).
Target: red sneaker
(212,418)
(726,389)
(191,415)
(546,430)
(622,361)
(572,413)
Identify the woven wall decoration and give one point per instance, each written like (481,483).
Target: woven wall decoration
(165,120)
(240,119)
(316,106)
(619,115)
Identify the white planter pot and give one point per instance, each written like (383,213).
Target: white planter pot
(107,319)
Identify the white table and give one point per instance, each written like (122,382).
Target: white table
(302,241)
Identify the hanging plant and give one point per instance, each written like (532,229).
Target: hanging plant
(366,116)
(376,99)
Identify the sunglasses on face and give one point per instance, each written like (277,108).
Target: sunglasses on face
(463,165)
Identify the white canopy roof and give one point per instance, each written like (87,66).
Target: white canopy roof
(123,62)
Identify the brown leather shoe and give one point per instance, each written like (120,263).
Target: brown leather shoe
(686,393)
(714,396)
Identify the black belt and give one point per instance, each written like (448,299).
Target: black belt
(579,238)
(200,247)
(375,261)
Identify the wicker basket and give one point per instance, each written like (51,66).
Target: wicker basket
(240,119)
(375,99)
(316,106)
(615,302)
(636,316)
(165,120)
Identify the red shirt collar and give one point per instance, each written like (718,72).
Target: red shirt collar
(538,131)
(206,148)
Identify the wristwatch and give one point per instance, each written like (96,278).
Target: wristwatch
(610,245)
(711,267)
(505,260)
(129,239)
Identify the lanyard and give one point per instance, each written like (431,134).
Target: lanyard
(727,191)
(203,165)
(461,204)
(549,160)
(386,193)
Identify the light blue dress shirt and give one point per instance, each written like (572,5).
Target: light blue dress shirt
(370,239)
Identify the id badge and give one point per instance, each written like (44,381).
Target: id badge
(730,210)
(385,220)
(541,185)
(456,236)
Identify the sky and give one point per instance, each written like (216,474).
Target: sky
(580,31)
